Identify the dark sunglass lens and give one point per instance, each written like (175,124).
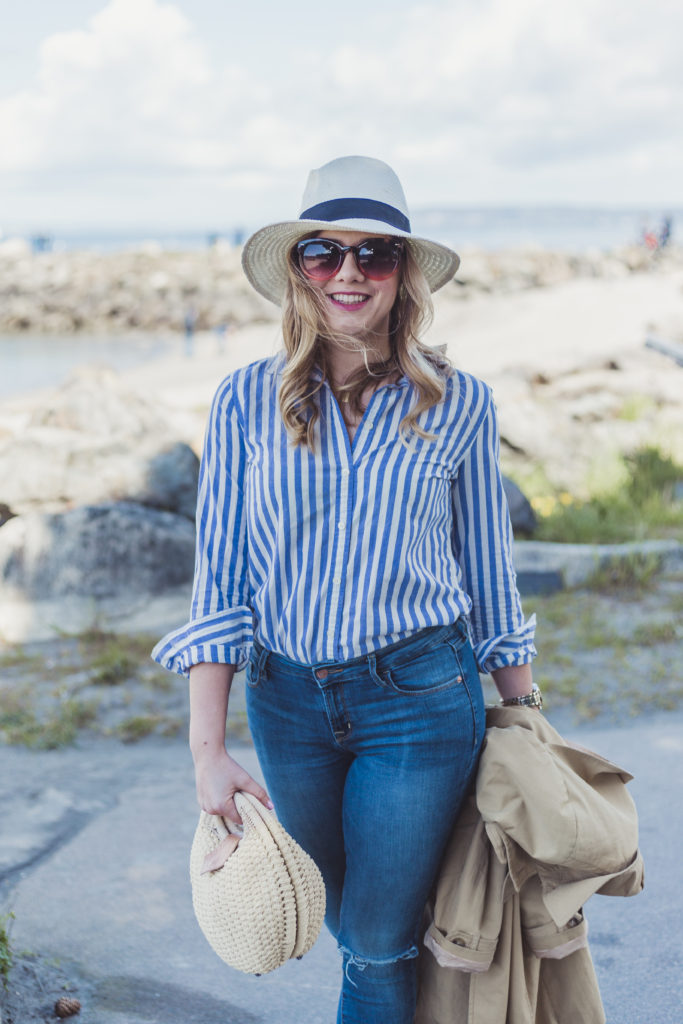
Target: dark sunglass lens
(379,258)
(318,259)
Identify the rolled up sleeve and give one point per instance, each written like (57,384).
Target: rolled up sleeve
(220,628)
(483,547)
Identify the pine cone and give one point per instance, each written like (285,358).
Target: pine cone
(66,1007)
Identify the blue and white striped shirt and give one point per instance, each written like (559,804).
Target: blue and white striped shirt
(330,555)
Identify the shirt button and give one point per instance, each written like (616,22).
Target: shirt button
(345,472)
(337,580)
(342,524)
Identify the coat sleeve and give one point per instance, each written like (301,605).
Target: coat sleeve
(220,628)
(483,547)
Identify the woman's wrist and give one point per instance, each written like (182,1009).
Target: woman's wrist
(209,691)
(513,681)
(527,700)
(204,749)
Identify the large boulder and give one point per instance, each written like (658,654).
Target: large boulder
(98,551)
(95,440)
(42,473)
(96,402)
(522,514)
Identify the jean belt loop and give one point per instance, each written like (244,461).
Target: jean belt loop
(372,668)
(459,634)
(262,659)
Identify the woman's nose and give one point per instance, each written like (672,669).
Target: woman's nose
(349,269)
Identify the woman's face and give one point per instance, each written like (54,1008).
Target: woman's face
(354,304)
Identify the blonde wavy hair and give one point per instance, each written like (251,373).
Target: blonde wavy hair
(305,333)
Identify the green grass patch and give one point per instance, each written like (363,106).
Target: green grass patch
(20,726)
(112,659)
(634,407)
(18,657)
(137,727)
(653,634)
(675,604)
(630,576)
(640,505)
(6,955)
(554,609)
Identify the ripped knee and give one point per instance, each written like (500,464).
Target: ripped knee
(379,966)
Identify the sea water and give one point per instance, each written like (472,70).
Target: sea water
(30,362)
(568,229)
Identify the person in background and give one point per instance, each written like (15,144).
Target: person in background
(664,237)
(189,323)
(354,552)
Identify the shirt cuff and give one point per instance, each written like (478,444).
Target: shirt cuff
(513,648)
(223,638)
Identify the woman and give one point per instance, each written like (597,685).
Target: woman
(353,542)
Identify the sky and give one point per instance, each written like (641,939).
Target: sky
(195,114)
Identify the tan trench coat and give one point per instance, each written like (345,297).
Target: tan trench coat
(548,825)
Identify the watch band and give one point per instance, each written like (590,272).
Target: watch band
(529,700)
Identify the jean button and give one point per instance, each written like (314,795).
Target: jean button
(322,673)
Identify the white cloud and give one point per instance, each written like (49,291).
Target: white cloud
(548,100)
(134,89)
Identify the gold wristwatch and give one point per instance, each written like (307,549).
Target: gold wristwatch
(529,700)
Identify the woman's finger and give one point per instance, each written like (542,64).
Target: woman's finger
(260,794)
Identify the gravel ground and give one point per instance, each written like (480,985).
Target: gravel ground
(607,657)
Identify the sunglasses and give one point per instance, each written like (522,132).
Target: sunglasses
(376,258)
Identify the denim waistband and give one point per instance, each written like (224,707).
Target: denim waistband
(382,657)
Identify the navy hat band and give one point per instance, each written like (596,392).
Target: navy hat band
(357,209)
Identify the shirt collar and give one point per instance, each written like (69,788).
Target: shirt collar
(402,382)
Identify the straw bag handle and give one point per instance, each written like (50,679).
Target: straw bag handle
(223,827)
(228,834)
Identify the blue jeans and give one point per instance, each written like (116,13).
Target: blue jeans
(367,762)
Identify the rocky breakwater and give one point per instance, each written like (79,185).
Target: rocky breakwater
(154,290)
(519,269)
(145,290)
(98,503)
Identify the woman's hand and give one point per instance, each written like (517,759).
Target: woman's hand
(218,778)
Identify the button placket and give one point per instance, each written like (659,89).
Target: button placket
(344,522)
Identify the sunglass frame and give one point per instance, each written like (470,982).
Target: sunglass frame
(342,250)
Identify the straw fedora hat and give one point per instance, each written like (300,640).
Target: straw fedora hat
(352,193)
(258,897)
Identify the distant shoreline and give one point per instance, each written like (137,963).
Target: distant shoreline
(556,227)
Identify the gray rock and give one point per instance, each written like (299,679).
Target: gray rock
(96,441)
(48,472)
(170,480)
(521,513)
(95,401)
(99,551)
(6,513)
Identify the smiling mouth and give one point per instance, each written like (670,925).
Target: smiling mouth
(349,300)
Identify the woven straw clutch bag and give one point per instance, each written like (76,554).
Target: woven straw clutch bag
(266,903)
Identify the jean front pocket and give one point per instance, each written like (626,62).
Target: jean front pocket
(430,671)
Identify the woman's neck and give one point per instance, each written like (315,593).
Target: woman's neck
(342,363)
